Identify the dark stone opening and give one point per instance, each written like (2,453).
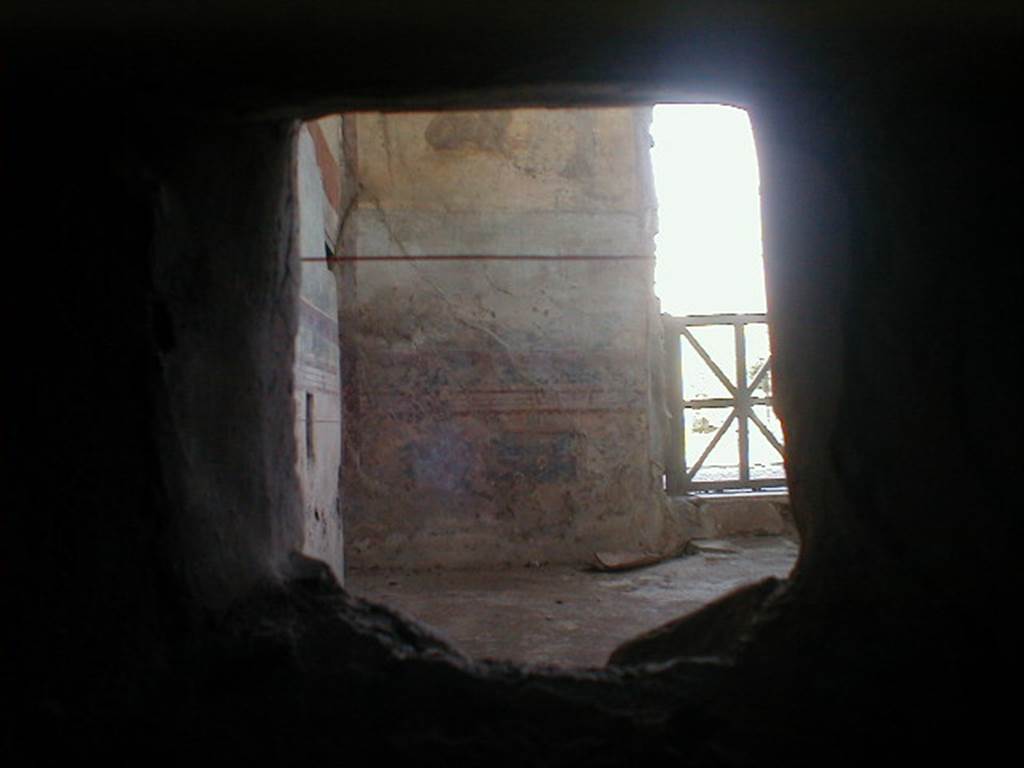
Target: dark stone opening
(151,593)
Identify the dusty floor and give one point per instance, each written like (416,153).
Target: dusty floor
(563,615)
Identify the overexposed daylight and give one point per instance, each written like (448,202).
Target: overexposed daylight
(709,218)
(709,262)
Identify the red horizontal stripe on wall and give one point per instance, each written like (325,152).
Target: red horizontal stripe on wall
(468,257)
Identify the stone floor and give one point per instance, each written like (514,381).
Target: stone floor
(566,616)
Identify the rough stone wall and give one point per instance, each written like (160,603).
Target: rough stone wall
(501,400)
(221,326)
(317,384)
(149,440)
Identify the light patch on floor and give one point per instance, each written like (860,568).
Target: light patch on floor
(559,615)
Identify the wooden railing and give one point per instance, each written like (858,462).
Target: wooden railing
(740,397)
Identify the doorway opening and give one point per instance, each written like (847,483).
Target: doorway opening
(498,334)
(709,277)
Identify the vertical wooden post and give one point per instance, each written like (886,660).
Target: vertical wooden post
(742,399)
(675,466)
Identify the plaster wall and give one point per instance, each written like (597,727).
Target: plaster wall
(501,400)
(316,370)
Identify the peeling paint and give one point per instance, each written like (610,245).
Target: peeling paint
(503,406)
